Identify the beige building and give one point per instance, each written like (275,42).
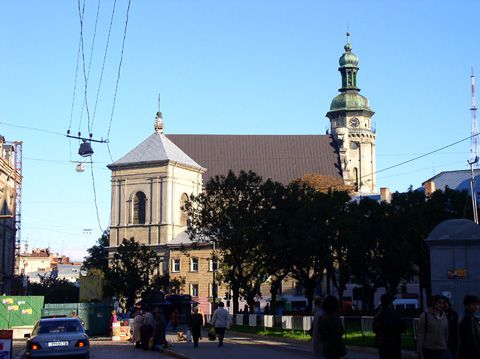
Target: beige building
(9,179)
(152,181)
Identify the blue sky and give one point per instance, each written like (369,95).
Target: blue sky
(236,67)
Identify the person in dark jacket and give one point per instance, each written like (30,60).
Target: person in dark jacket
(330,329)
(195,324)
(452,317)
(388,328)
(469,329)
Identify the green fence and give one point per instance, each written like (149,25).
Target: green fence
(95,315)
(17,311)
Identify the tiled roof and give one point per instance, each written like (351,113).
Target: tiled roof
(156,149)
(282,158)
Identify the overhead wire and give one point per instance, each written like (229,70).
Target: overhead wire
(95,196)
(104,60)
(119,70)
(81,13)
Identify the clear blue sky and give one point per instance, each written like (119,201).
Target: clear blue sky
(237,67)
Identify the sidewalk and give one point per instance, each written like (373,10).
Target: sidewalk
(242,345)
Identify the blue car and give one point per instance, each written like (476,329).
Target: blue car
(58,338)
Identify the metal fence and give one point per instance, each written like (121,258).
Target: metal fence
(16,311)
(363,324)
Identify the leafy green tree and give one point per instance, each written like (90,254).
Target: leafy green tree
(134,271)
(230,213)
(98,254)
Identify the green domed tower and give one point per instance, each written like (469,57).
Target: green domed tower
(351,125)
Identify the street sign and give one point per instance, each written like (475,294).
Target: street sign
(6,337)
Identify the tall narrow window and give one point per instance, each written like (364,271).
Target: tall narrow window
(139,208)
(183,212)
(355,178)
(194,264)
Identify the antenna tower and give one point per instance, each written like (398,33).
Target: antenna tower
(474,142)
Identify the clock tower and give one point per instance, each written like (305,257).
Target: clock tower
(351,126)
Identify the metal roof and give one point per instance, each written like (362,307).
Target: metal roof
(455,229)
(282,158)
(156,149)
(456,180)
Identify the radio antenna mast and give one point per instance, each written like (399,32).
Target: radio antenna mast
(474,142)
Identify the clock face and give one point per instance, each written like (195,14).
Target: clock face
(354,122)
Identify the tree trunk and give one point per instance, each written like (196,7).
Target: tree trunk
(273,298)
(235,297)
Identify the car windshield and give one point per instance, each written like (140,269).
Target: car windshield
(59,326)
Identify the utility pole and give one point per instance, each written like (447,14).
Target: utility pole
(472,189)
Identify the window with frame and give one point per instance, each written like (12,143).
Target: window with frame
(194,290)
(194,264)
(139,208)
(213,290)
(175,265)
(213,264)
(183,212)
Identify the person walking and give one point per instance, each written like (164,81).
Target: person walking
(195,324)
(469,329)
(146,331)
(317,348)
(452,317)
(137,325)
(432,332)
(174,317)
(330,329)
(220,321)
(388,328)
(159,330)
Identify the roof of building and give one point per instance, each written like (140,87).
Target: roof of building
(455,229)
(282,158)
(156,149)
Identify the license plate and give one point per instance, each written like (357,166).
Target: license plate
(58,344)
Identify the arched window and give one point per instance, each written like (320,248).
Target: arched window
(183,212)
(139,208)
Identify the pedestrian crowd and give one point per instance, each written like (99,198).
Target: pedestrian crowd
(441,333)
(150,326)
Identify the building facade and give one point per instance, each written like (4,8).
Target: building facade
(152,181)
(9,178)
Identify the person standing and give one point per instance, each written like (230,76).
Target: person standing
(469,329)
(388,328)
(432,332)
(317,348)
(195,324)
(220,321)
(330,329)
(452,317)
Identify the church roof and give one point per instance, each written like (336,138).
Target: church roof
(282,158)
(156,149)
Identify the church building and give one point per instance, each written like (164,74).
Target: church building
(151,183)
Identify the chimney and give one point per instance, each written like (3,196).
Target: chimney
(385,194)
(429,188)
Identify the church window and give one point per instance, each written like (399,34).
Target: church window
(139,208)
(183,212)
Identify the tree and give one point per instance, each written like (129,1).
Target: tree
(231,214)
(134,271)
(98,254)
(324,184)
(55,290)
